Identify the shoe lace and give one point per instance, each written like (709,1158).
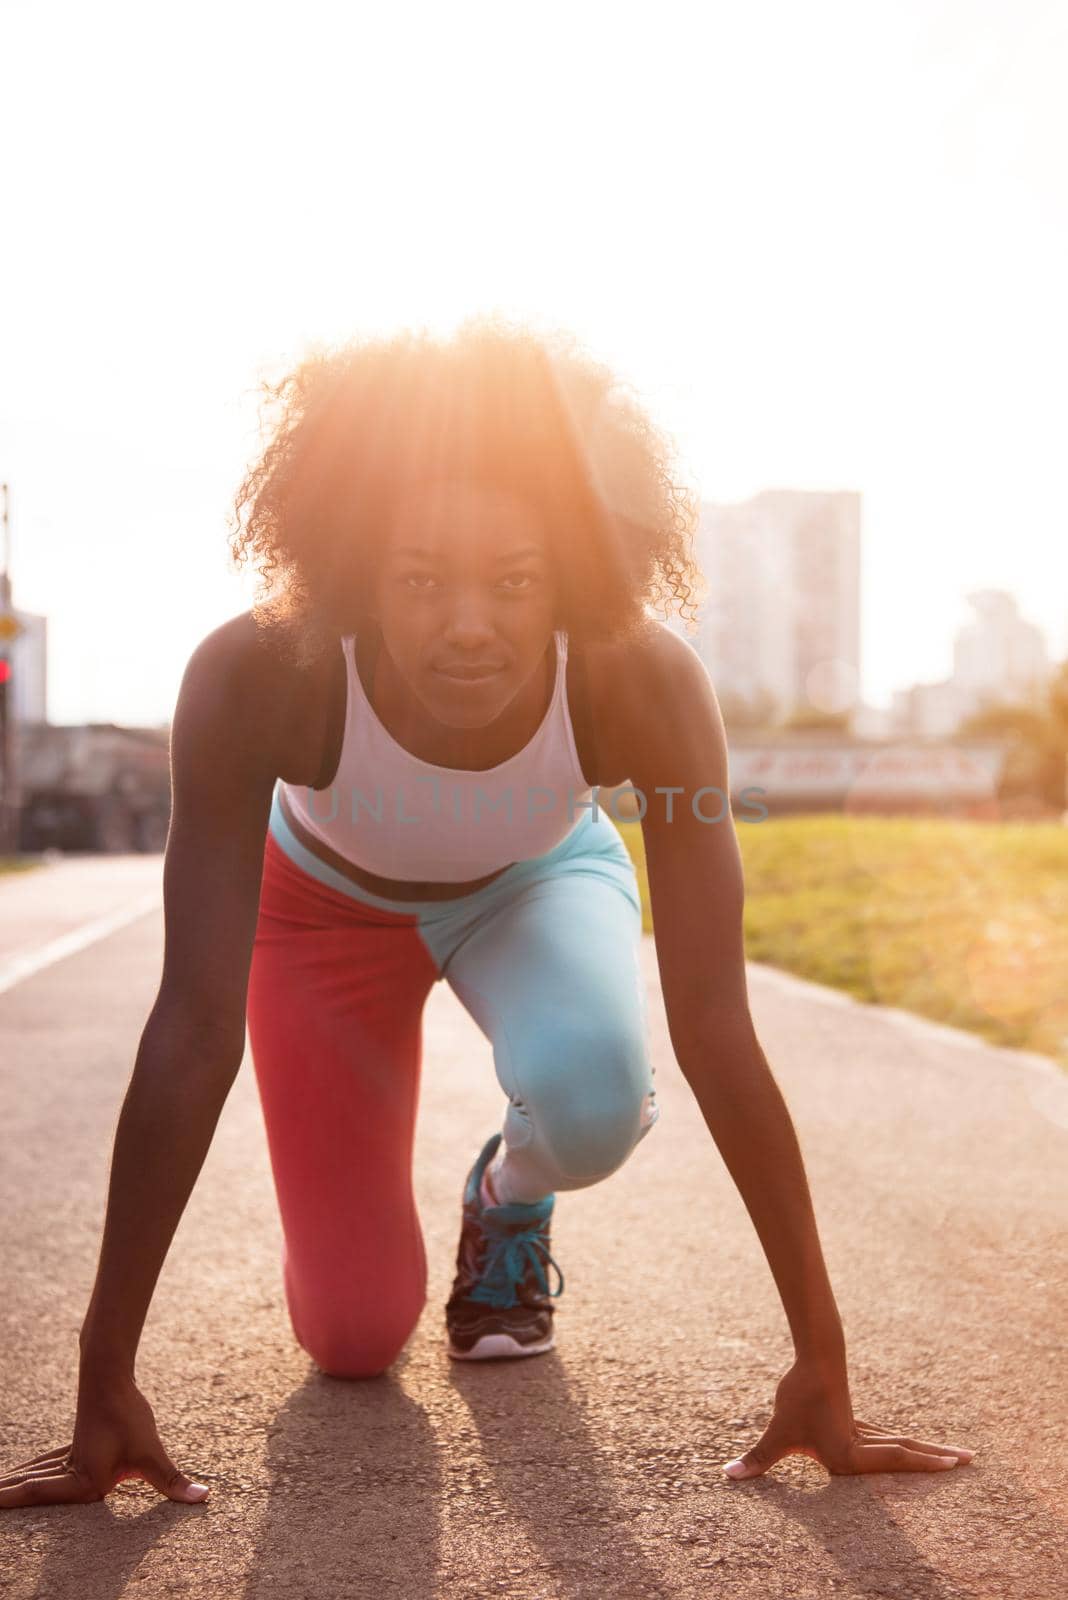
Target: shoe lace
(508,1259)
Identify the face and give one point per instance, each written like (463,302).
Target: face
(464,599)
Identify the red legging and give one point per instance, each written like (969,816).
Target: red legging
(545,958)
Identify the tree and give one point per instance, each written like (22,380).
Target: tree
(811,719)
(753,712)
(1037,759)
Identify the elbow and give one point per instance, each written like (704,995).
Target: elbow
(196,1039)
(719,1046)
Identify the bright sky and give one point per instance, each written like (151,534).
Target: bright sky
(827,241)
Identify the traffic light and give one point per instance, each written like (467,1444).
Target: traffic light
(5,716)
(7,690)
(6,727)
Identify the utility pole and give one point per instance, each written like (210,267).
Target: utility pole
(9,631)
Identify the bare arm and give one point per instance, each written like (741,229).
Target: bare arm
(674,737)
(697,893)
(223,762)
(193,1041)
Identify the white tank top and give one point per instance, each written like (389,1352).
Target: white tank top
(398,817)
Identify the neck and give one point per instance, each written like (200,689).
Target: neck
(408,721)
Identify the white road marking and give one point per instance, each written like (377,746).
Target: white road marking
(19,967)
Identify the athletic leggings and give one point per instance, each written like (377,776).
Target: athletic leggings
(545,958)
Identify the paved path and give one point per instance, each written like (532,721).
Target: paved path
(939,1170)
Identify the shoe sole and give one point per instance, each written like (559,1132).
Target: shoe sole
(495,1346)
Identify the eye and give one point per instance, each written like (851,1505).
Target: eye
(419,580)
(524,578)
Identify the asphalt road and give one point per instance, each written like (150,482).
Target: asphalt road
(941,1185)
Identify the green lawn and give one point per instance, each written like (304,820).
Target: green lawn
(963,922)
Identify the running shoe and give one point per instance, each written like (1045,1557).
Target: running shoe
(501,1304)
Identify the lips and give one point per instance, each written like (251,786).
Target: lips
(469,673)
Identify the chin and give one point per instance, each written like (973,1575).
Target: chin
(468,705)
(455,716)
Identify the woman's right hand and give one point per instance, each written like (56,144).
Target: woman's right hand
(114,1438)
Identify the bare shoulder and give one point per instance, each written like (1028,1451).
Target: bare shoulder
(237,653)
(237,685)
(653,697)
(637,672)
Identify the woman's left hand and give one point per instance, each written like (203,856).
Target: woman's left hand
(813,1417)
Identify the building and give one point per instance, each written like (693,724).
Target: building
(931,710)
(999,658)
(28,654)
(780,628)
(872,722)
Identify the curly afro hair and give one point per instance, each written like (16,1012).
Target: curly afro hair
(495,402)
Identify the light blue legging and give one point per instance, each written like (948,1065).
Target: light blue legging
(545,958)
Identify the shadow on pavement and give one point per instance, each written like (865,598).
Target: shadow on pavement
(354,1497)
(550,1472)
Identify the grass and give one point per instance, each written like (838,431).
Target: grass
(962,922)
(18,863)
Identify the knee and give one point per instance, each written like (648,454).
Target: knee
(588,1145)
(594,1102)
(362,1346)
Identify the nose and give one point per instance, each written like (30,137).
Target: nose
(469,627)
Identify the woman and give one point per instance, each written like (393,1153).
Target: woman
(384,775)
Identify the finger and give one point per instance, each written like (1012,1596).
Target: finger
(57,1470)
(894,1458)
(59,1488)
(921,1444)
(888,1436)
(163,1475)
(58,1454)
(769,1448)
(885,1430)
